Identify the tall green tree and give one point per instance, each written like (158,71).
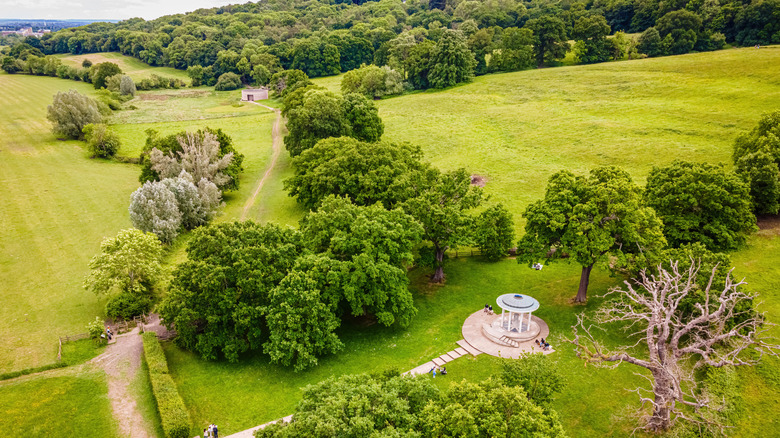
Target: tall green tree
(515,51)
(592,44)
(363,118)
(219,296)
(494,232)
(441,202)
(550,40)
(371,247)
(301,325)
(316,58)
(99,73)
(599,218)
(700,202)
(70,112)
(451,61)
(365,172)
(321,116)
(757,160)
(129,262)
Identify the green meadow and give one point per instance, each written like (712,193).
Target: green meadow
(515,129)
(132,67)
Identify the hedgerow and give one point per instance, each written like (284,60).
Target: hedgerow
(173,413)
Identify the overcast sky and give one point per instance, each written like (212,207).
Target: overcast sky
(102,9)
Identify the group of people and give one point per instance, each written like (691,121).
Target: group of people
(108,335)
(212,431)
(543,344)
(442,371)
(488,309)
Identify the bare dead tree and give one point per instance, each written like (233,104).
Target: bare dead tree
(673,344)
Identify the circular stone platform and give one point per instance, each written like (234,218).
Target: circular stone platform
(475,334)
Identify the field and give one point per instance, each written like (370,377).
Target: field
(57,207)
(130,66)
(70,402)
(515,129)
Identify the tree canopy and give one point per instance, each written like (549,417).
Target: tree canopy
(699,202)
(757,160)
(404,406)
(599,218)
(365,172)
(246,287)
(314,114)
(441,202)
(70,112)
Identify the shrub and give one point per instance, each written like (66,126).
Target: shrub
(101,72)
(126,305)
(101,141)
(70,112)
(173,413)
(86,63)
(228,81)
(494,232)
(126,86)
(95,329)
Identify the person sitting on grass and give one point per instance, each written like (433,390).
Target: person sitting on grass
(443,371)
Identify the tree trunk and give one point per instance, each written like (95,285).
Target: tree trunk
(661,420)
(582,292)
(438,276)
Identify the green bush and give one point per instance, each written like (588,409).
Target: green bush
(228,81)
(127,305)
(24,372)
(101,142)
(173,414)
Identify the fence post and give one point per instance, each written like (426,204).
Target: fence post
(59,349)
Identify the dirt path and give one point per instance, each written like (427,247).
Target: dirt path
(121,361)
(276,134)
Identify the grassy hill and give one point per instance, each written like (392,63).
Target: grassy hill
(519,128)
(132,67)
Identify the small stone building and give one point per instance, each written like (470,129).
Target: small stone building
(252,94)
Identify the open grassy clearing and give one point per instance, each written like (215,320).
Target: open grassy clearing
(132,67)
(184,104)
(70,402)
(57,207)
(519,128)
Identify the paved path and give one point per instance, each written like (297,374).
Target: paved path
(474,343)
(473,335)
(276,134)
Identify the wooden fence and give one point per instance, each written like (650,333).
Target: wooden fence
(117,326)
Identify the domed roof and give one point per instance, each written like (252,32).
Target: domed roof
(517,303)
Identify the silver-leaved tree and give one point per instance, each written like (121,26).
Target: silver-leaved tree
(723,328)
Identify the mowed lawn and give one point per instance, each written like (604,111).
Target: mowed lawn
(58,205)
(62,403)
(132,67)
(519,128)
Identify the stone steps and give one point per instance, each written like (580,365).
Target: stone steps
(468,348)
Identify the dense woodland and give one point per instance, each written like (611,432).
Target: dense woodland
(321,38)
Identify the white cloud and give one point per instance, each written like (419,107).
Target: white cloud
(101,9)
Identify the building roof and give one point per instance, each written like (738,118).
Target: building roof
(517,303)
(254,90)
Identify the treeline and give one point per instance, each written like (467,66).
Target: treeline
(256,40)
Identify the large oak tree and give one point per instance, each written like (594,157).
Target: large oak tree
(599,218)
